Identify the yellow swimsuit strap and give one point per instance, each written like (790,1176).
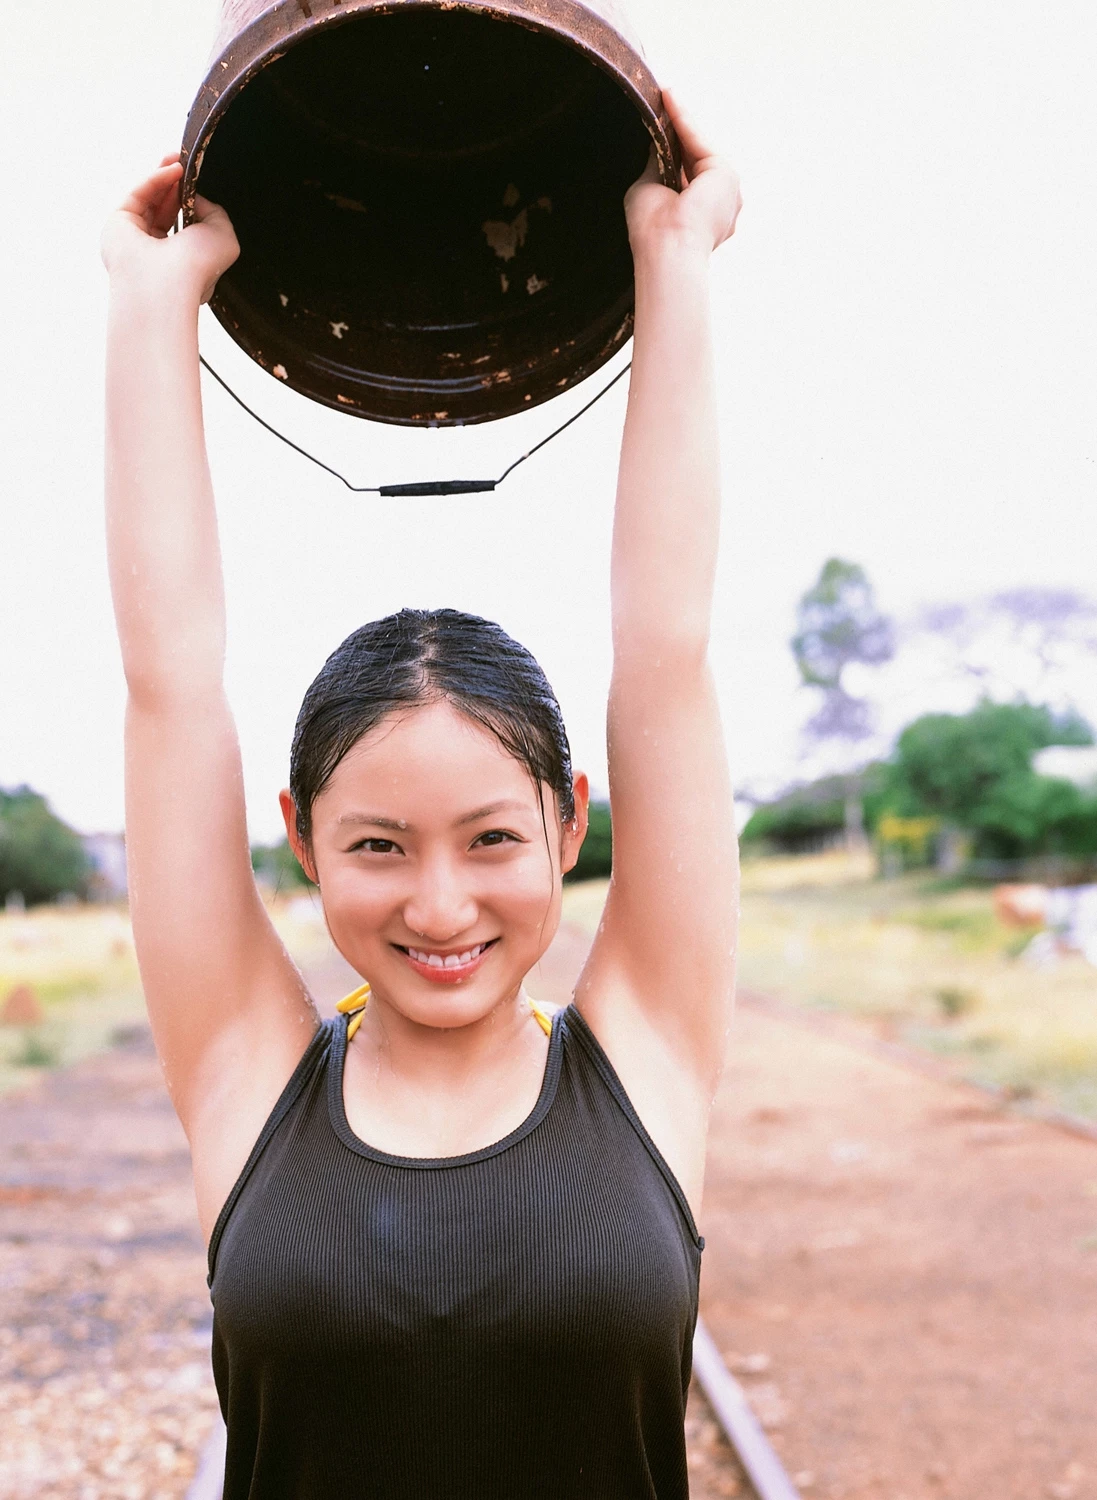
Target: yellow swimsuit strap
(354,1005)
(542,1017)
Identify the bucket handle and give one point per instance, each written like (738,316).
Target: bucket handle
(430,487)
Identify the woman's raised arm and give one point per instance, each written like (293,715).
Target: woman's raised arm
(228,1009)
(659,985)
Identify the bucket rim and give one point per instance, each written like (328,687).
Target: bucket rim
(275,30)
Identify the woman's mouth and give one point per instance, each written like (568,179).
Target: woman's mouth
(447,968)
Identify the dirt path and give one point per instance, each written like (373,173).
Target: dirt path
(909,1272)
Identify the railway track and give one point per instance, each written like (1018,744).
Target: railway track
(761,1467)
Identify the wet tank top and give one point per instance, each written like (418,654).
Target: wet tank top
(513,1324)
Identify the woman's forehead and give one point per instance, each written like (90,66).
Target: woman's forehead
(431,755)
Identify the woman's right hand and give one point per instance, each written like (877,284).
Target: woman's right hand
(139,249)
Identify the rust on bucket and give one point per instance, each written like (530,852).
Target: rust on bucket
(428,196)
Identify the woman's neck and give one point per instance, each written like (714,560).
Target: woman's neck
(414,1090)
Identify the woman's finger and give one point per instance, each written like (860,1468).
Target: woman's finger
(152,190)
(205,210)
(695,149)
(165,213)
(168,161)
(650,173)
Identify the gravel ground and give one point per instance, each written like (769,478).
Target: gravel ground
(105,1391)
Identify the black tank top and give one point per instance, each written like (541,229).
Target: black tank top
(514,1324)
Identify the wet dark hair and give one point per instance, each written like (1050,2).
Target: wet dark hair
(425,656)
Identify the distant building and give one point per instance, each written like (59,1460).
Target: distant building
(107,854)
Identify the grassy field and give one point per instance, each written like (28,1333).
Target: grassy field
(923,964)
(79,962)
(915,962)
(80,965)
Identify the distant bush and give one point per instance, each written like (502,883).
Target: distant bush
(40,856)
(795,824)
(276,864)
(596,856)
(810,817)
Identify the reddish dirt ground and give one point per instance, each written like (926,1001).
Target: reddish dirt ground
(913,1270)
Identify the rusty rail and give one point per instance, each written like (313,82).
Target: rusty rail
(744,1432)
(208,1482)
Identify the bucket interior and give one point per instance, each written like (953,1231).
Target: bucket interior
(429,206)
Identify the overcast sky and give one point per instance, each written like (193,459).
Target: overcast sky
(906,326)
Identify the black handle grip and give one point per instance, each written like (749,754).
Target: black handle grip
(440,487)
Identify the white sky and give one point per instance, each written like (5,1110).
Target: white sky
(907,328)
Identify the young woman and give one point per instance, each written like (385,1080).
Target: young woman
(452,1257)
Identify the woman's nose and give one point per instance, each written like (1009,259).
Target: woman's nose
(441,906)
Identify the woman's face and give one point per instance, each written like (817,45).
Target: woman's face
(438,883)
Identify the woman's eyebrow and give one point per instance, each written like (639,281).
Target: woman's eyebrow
(490,810)
(371,820)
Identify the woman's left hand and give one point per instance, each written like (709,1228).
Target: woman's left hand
(706,209)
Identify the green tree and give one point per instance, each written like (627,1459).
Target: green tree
(838,625)
(277,864)
(975,771)
(40,856)
(596,856)
(806,817)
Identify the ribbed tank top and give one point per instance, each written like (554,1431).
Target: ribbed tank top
(512,1324)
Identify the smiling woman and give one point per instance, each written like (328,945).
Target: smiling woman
(450,1254)
(430,840)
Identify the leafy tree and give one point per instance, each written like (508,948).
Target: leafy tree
(807,816)
(801,819)
(277,864)
(596,855)
(40,856)
(1023,643)
(975,771)
(838,624)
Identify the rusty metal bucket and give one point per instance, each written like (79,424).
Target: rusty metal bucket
(428,196)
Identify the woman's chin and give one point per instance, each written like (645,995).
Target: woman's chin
(448,1007)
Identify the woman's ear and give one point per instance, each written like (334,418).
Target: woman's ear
(296,842)
(575,829)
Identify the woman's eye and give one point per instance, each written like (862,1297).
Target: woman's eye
(493,839)
(378,846)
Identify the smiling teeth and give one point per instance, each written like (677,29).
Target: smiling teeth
(451,961)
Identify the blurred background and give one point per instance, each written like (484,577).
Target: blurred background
(902,1264)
